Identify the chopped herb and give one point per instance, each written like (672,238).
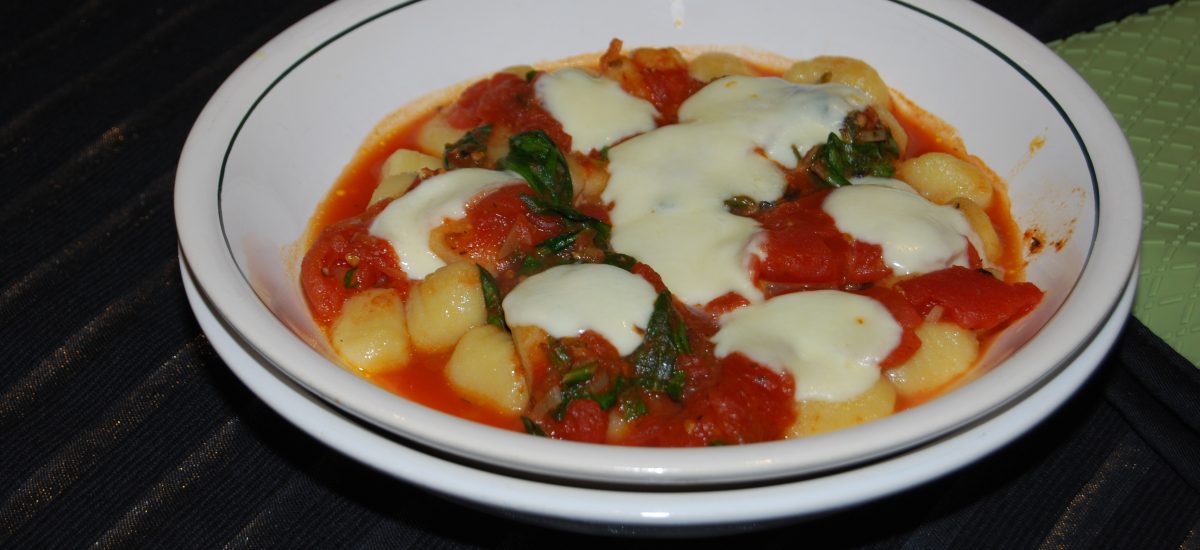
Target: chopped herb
(529,75)
(741,205)
(604,153)
(655,360)
(623,261)
(558,354)
(550,252)
(609,398)
(717,443)
(559,243)
(534,156)
(532,427)
(569,394)
(865,147)
(578,375)
(574,386)
(632,407)
(531,265)
(348,280)
(539,205)
(469,151)
(491,298)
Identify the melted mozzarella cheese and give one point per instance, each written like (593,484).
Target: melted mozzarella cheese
(567,300)
(700,255)
(773,114)
(594,111)
(831,342)
(917,236)
(407,221)
(730,138)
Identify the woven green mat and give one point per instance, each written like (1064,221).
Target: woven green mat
(1147,70)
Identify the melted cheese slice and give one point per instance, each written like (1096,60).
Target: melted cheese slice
(831,342)
(668,187)
(917,236)
(407,221)
(567,300)
(596,112)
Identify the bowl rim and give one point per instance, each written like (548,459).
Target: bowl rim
(200,223)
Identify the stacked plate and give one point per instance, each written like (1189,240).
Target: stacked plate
(277,134)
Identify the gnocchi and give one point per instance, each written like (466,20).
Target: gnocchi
(372,332)
(842,70)
(485,367)
(947,351)
(710,66)
(814,417)
(444,306)
(942,177)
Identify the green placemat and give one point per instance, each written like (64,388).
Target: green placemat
(1147,70)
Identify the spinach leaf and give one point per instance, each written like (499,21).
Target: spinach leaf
(864,147)
(491,298)
(469,151)
(532,427)
(535,157)
(349,280)
(632,407)
(549,253)
(655,360)
(539,162)
(575,386)
(557,354)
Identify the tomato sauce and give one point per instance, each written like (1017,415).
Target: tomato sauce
(423,381)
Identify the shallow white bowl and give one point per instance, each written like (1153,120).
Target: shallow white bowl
(276,135)
(607,510)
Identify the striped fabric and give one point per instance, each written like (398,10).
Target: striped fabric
(121,428)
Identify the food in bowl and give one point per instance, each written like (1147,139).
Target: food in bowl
(655,250)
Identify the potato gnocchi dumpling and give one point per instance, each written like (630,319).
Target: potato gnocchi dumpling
(616,254)
(444,306)
(842,70)
(942,177)
(372,333)
(947,352)
(814,417)
(435,134)
(530,343)
(485,367)
(710,66)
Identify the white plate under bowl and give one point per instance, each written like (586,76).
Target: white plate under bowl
(631,512)
(277,133)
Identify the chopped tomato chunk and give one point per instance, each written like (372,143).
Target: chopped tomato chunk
(804,250)
(584,421)
(971,298)
(658,75)
(725,303)
(346,259)
(509,101)
(745,404)
(499,225)
(906,316)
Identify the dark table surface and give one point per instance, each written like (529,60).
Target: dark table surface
(120,426)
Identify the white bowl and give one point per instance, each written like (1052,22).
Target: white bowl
(614,511)
(276,135)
